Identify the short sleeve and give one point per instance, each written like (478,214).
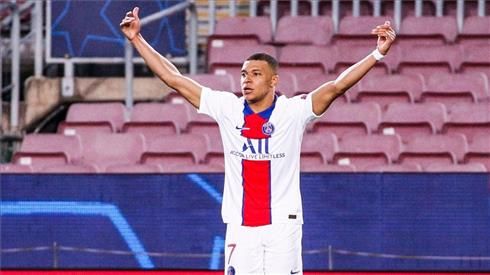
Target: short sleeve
(213,103)
(304,105)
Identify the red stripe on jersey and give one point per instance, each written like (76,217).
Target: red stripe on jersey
(256,192)
(253,126)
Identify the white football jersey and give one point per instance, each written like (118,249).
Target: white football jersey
(262,156)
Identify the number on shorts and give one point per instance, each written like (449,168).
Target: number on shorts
(232,245)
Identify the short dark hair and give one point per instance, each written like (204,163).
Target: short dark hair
(267,58)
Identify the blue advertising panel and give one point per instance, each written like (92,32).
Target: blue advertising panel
(87,28)
(353,221)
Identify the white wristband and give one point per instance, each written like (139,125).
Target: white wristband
(377,55)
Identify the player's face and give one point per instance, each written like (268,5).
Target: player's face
(257,80)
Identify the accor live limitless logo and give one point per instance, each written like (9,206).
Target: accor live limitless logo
(257,149)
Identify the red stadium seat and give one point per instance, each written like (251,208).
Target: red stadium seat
(157,119)
(368,150)
(229,59)
(456,88)
(10,168)
(193,168)
(70,169)
(313,30)
(357,30)
(388,89)
(447,149)
(103,150)
(318,149)
(183,149)
(216,82)
(429,59)
(468,167)
(133,169)
(204,125)
(39,150)
(86,118)
(311,81)
(305,59)
(343,119)
(427,30)
(215,153)
(479,151)
(476,59)
(241,30)
(348,55)
(468,119)
(412,120)
(476,30)
(328,168)
(409,167)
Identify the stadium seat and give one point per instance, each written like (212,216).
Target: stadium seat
(229,59)
(465,168)
(310,81)
(241,31)
(455,88)
(182,149)
(412,120)
(215,153)
(427,30)
(429,59)
(388,89)
(309,30)
(476,59)
(217,82)
(39,150)
(11,168)
(476,30)
(306,59)
(288,84)
(409,167)
(317,149)
(425,150)
(328,168)
(368,150)
(133,169)
(158,119)
(357,30)
(193,168)
(343,119)
(86,118)
(70,169)
(479,151)
(348,55)
(103,150)
(468,119)
(204,125)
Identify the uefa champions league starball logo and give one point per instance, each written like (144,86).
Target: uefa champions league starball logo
(268,128)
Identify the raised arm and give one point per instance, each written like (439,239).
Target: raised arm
(324,95)
(160,65)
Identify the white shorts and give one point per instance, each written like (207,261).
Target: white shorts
(270,249)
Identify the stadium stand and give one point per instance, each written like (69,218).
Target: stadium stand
(157,119)
(343,119)
(317,150)
(40,150)
(412,120)
(314,59)
(429,59)
(368,150)
(476,59)
(103,150)
(393,88)
(427,30)
(445,149)
(357,30)
(479,151)
(469,119)
(476,31)
(455,88)
(306,30)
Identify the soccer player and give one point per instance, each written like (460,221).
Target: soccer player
(261,135)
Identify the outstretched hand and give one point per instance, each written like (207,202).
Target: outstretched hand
(386,36)
(130,25)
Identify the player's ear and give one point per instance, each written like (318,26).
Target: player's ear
(274,80)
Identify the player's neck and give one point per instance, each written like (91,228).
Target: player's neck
(262,105)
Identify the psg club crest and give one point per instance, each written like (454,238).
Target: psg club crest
(268,128)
